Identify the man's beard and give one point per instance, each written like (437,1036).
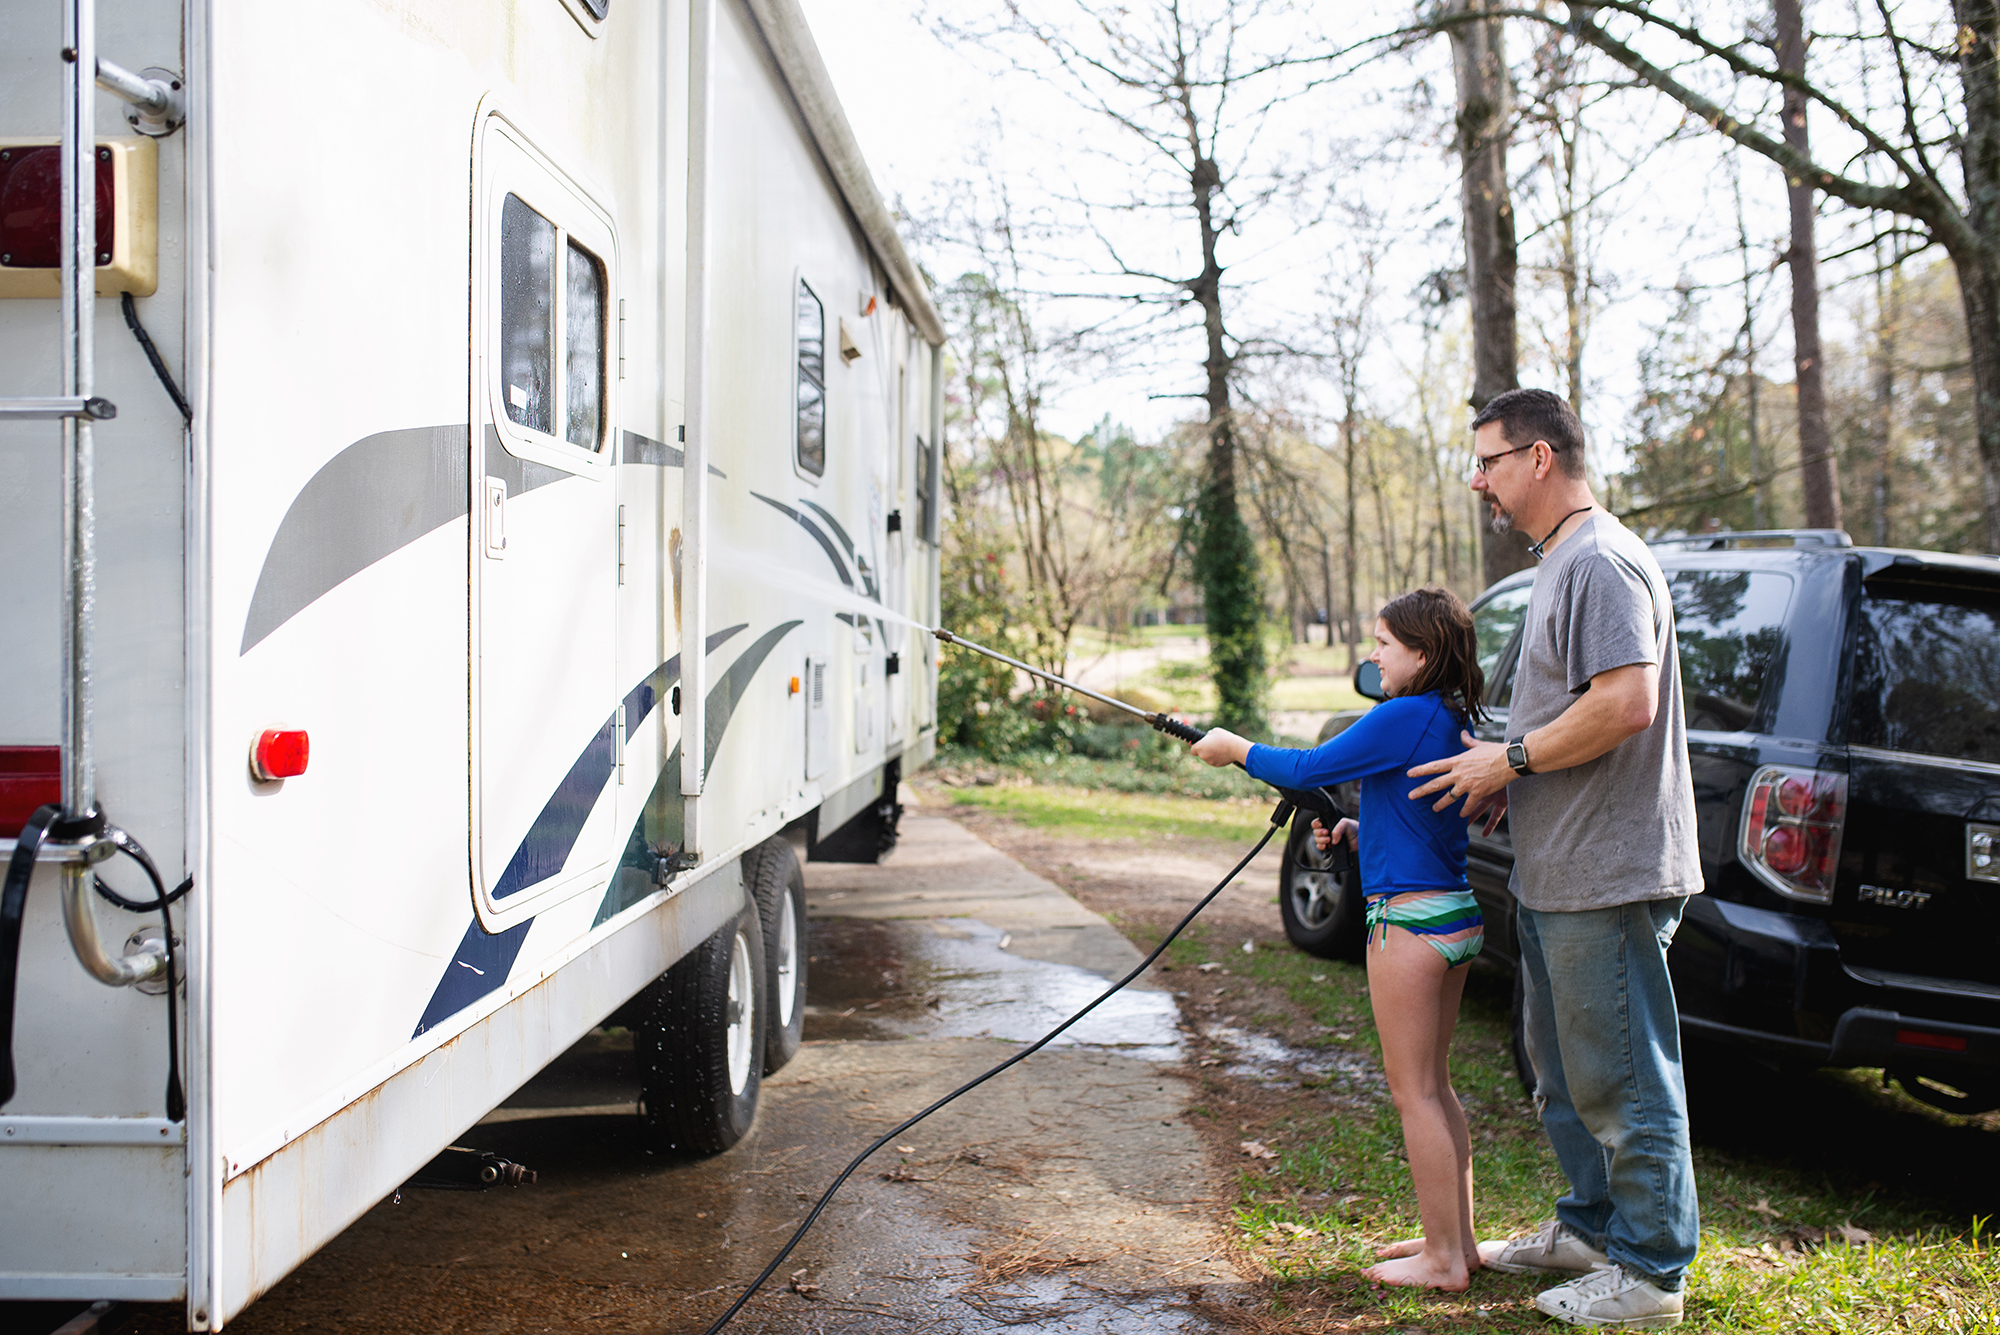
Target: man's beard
(1503,520)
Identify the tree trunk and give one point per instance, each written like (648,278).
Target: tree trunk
(1816,463)
(1225,555)
(1887,312)
(1978,271)
(1979,292)
(1326,578)
(1352,620)
(1480,68)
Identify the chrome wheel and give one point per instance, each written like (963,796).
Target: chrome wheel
(788,962)
(1314,890)
(742,1013)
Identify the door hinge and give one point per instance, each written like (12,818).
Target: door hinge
(621,545)
(618,740)
(621,338)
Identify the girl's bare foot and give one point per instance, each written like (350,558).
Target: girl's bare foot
(1415,1246)
(1420,1272)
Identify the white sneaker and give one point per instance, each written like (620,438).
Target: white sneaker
(1612,1296)
(1552,1249)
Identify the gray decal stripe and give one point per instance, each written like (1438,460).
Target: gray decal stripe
(519,475)
(826,543)
(375,497)
(833,524)
(645,450)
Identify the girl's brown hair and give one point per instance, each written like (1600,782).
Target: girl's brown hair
(1433,621)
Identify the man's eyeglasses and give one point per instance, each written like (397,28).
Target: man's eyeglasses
(1482,462)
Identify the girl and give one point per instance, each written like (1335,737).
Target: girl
(1423,924)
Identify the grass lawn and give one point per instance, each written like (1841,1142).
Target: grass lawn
(1095,813)
(1324,694)
(1829,1203)
(1775,1256)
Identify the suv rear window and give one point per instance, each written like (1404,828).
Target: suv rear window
(1729,623)
(1927,673)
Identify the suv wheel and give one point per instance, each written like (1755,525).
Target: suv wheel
(1324,913)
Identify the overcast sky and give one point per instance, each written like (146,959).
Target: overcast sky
(929,115)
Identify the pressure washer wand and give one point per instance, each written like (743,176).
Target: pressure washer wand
(1171,727)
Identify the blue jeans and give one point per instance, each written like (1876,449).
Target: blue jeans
(1605,1041)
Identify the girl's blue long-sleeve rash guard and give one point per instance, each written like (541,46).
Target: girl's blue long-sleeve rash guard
(1404,844)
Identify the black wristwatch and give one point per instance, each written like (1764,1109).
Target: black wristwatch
(1517,756)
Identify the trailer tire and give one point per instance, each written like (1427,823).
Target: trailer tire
(699,1042)
(772,870)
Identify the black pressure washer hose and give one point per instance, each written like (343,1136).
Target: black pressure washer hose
(1318,801)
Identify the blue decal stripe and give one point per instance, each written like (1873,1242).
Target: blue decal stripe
(723,697)
(480,965)
(639,701)
(483,961)
(549,840)
(820,537)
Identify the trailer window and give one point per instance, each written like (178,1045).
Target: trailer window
(527,315)
(811,338)
(584,315)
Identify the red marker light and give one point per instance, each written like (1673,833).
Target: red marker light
(30,776)
(280,753)
(1917,1038)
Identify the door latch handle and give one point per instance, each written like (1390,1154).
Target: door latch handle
(496,518)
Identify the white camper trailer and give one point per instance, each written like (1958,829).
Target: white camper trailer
(518,598)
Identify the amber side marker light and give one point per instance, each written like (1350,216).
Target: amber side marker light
(280,753)
(795,687)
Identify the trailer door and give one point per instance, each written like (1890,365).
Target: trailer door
(545,566)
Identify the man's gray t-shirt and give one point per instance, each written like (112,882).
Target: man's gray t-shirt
(1620,828)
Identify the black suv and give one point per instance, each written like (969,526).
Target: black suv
(1843,715)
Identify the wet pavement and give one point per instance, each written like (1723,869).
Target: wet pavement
(1067,1195)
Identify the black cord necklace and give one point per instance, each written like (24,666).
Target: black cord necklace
(1536,547)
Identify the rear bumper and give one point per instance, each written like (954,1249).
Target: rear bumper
(1867,1037)
(1775,983)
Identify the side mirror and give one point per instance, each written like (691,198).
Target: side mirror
(1368,681)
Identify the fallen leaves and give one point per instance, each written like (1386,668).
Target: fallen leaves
(1257,1149)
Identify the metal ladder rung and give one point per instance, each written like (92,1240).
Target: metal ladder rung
(94,408)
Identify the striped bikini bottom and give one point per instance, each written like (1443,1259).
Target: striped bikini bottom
(1448,919)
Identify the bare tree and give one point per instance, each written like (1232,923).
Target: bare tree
(1188,85)
(1485,111)
(1816,462)
(1946,105)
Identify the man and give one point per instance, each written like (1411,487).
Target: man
(1594,779)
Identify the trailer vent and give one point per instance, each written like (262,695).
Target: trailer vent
(819,723)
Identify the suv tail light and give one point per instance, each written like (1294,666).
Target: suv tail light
(1792,821)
